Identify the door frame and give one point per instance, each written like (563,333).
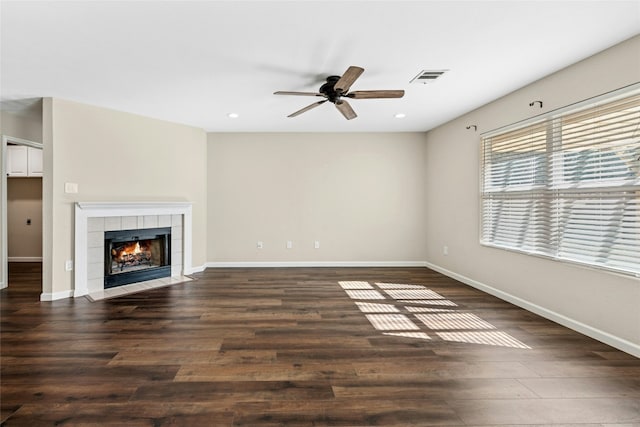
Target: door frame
(4,258)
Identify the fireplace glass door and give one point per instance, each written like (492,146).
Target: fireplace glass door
(136,255)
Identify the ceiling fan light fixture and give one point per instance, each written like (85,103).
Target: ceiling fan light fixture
(400,115)
(233,115)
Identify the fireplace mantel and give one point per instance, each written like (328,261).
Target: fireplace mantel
(95,209)
(86,210)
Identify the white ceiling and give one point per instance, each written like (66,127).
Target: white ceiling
(195,62)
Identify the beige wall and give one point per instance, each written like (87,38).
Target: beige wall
(606,305)
(24,201)
(26,124)
(115,156)
(361,195)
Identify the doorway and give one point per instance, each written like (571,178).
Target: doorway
(25,191)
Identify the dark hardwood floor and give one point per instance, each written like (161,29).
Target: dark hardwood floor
(302,347)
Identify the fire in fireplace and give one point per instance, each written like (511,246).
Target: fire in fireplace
(136,255)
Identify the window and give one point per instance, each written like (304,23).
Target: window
(567,185)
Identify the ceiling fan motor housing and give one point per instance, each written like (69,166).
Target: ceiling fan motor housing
(328,89)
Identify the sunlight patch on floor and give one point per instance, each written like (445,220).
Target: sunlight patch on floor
(398,286)
(488,338)
(391,322)
(405,302)
(358,294)
(430,302)
(355,285)
(413,294)
(417,335)
(411,309)
(448,321)
(370,307)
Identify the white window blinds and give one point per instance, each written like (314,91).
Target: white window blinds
(567,185)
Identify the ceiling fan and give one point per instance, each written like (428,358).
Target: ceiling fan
(337,87)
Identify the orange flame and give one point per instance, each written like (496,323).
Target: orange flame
(130,249)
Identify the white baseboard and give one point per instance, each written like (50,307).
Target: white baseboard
(46,296)
(590,331)
(198,269)
(24,259)
(275,264)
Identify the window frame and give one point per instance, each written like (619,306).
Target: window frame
(552,188)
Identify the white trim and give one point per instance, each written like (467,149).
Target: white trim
(85,210)
(25,259)
(46,296)
(4,277)
(21,141)
(101,209)
(198,269)
(590,331)
(275,264)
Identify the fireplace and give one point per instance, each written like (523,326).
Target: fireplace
(132,256)
(94,219)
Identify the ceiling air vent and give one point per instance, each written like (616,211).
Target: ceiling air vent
(427,76)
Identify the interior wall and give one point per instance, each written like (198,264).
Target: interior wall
(602,304)
(360,195)
(26,124)
(24,202)
(115,156)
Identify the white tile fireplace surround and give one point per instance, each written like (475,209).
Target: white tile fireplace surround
(92,219)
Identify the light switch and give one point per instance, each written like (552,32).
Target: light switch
(70,187)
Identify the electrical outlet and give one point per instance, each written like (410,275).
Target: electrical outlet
(259,244)
(68,265)
(445,250)
(289,244)
(316,244)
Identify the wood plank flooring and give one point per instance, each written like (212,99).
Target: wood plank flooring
(272,347)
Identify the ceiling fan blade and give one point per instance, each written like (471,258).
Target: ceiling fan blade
(307,108)
(345,109)
(347,79)
(284,92)
(370,94)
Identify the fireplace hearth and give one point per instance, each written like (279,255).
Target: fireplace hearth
(132,256)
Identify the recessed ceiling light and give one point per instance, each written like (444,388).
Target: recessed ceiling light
(400,116)
(233,115)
